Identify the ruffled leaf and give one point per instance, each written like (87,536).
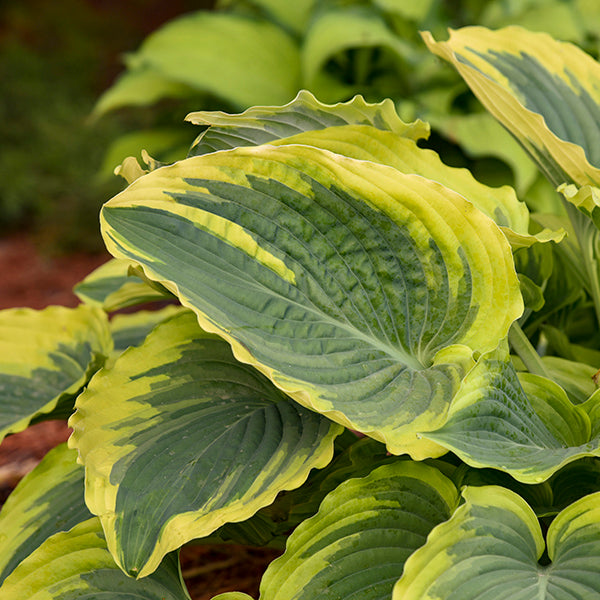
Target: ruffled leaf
(524,425)
(178,413)
(491,546)
(362,535)
(360,291)
(46,501)
(76,564)
(262,124)
(46,357)
(545,92)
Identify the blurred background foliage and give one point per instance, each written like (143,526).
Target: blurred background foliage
(253,52)
(61,137)
(55,60)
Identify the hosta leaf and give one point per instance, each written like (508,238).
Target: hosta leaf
(46,501)
(131,329)
(114,285)
(360,291)
(262,124)
(336,34)
(490,548)
(539,496)
(271,525)
(561,20)
(76,564)
(545,92)
(356,545)
(178,413)
(524,425)
(403,153)
(576,378)
(46,357)
(140,87)
(258,62)
(585,198)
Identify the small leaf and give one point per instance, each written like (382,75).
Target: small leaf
(131,329)
(113,285)
(178,413)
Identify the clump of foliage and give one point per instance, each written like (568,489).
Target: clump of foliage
(330,276)
(262,52)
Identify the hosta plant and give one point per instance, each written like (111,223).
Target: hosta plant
(255,52)
(368,359)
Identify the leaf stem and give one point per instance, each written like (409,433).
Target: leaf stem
(526,352)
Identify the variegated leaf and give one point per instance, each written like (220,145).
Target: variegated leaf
(178,413)
(262,124)
(360,291)
(523,425)
(76,564)
(545,92)
(384,147)
(46,357)
(490,548)
(115,285)
(131,329)
(358,542)
(46,501)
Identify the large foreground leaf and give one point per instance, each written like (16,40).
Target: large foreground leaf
(76,564)
(45,358)
(46,501)
(355,547)
(360,291)
(490,548)
(178,413)
(547,93)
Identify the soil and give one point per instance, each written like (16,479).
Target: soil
(30,278)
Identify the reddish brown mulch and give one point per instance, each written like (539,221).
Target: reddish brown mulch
(29,278)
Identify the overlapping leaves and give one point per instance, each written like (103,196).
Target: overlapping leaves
(490,548)
(544,91)
(179,413)
(46,357)
(354,287)
(366,529)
